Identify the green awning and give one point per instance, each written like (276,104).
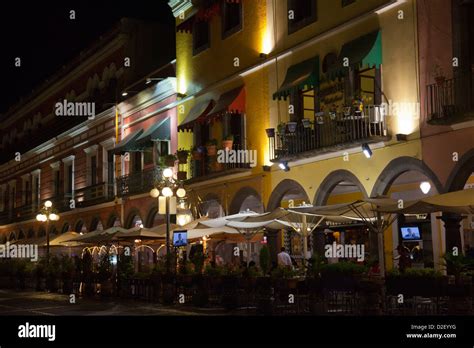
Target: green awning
(158,131)
(299,76)
(363,52)
(128,144)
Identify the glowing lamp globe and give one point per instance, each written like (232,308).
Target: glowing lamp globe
(154,193)
(168,173)
(167,192)
(181,193)
(48,204)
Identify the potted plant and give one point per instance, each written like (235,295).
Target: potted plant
(306,123)
(281,128)
(292,126)
(182,175)
(211,146)
(197,153)
(270,132)
(104,274)
(228,142)
(438,75)
(182,155)
(67,271)
(169,160)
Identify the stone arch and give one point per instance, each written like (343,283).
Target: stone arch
(131,217)
(461,172)
(331,181)
(53,230)
(66,227)
(78,225)
(240,197)
(281,190)
(209,200)
(21,235)
(95,224)
(399,166)
(151,216)
(111,220)
(12,236)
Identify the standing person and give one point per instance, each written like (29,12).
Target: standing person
(404,260)
(284,259)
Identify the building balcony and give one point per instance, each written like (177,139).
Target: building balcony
(29,211)
(450,101)
(206,165)
(94,194)
(328,133)
(139,182)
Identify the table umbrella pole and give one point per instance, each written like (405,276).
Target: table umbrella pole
(305,240)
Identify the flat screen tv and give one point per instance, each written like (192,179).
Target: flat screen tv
(180,238)
(410,233)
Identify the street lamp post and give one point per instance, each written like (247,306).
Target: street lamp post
(46,214)
(164,190)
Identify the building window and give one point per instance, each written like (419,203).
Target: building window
(368,86)
(27,193)
(345,3)
(93,170)
(201,36)
(148,156)
(162,148)
(231,18)
(301,13)
(304,103)
(69,179)
(57,181)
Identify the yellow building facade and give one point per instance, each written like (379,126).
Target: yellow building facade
(311,65)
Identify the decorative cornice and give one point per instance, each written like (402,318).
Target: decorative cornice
(55,165)
(179,6)
(91,149)
(108,144)
(68,159)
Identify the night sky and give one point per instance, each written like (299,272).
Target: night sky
(41,33)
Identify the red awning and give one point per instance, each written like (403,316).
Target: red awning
(197,113)
(231,102)
(206,13)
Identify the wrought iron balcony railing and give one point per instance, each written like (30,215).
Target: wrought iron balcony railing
(221,163)
(94,194)
(139,182)
(328,132)
(450,100)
